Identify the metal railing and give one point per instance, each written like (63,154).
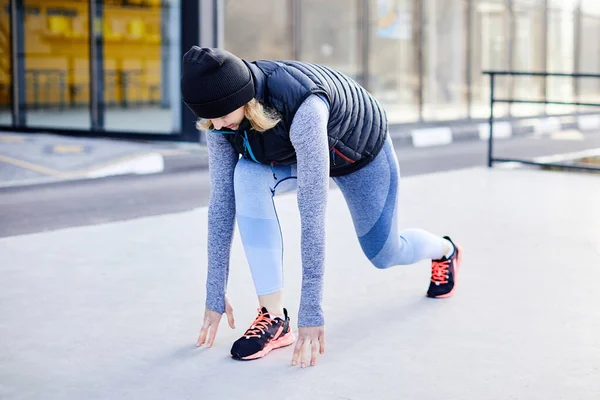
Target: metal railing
(49,89)
(494,100)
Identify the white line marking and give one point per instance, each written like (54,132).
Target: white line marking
(588,122)
(547,125)
(502,130)
(431,137)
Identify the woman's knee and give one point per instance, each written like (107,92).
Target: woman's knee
(380,263)
(249,176)
(395,251)
(388,262)
(252,191)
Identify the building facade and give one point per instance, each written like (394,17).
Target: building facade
(112,67)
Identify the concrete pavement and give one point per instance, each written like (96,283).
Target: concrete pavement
(112,311)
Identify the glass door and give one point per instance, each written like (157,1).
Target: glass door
(5,64)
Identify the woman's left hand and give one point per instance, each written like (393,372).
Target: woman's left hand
(311,341)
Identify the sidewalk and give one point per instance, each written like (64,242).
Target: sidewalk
(113,311)
(27,159)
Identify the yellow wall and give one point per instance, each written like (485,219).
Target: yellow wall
(4,54)
(56,39)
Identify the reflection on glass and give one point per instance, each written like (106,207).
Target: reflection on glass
(5,65)
(490,45)
(331,44)
(250,36)
(444,61)
(589,58)
(393,57)
(140,44)
(57,63)
(528,55)
(560,57)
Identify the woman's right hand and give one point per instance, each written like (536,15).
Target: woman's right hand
(211,324)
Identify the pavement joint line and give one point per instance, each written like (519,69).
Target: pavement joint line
(71,174)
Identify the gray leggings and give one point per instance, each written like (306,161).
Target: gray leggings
(371,194)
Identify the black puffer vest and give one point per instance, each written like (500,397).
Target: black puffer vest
(357,124)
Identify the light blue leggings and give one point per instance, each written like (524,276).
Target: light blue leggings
(371,194)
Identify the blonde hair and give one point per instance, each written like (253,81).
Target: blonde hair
(261,118)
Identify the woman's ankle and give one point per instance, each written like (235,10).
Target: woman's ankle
(273,302)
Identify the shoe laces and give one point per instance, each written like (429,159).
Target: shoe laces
(259,326)
(439,271)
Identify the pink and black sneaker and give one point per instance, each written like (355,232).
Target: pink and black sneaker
(266,333)
(444,273)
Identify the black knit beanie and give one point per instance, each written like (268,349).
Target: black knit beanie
(214,82)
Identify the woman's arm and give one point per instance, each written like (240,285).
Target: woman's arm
(221,218)
(308,135)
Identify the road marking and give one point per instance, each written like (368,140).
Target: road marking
(32,167)
(588,122)
(147,163)
(67,148)
(11,139)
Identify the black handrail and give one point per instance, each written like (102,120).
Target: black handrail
(523,73)
(493,100)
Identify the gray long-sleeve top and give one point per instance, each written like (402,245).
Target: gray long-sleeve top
(308,135)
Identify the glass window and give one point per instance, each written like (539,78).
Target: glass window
(5,64)
(528,55)
(258,29)
(141,65)
(57,64)
(561,19)
(327,43)
(589,55)
(393,57)
(444,60)
(490,45)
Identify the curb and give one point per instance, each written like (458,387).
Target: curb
(438,135)
(193,160)
(138,164)
(192,157)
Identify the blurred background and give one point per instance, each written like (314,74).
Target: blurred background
(90,89)
(423,59)
(104,187)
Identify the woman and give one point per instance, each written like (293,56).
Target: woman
(294,125)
